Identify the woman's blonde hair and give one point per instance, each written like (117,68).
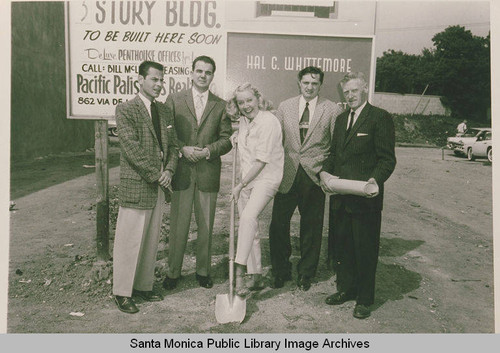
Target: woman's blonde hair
(232,107)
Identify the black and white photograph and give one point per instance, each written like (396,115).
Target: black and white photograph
(246,175)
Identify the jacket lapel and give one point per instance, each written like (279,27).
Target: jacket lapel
(341,123)
(361,119)
(318,113)
(145,116)
(163,126)
(293,120)
(208,107)
(190,104)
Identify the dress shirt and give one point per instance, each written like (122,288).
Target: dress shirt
(204,97)
(312,107)
(356,114)
(147,103)
(261,139)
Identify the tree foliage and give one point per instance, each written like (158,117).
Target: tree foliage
(457,68)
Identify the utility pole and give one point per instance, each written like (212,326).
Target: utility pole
(102,186)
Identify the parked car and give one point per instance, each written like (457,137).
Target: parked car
(456,143)
(112,128)
(481,147)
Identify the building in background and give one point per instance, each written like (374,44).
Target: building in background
(39,124)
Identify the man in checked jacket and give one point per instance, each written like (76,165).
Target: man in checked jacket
(307,122)
(147,163)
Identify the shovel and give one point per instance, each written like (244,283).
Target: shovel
(230,307)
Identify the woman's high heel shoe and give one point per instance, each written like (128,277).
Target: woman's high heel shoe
(240,287)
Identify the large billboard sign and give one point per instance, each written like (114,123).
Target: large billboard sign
(107,40)
(271,62)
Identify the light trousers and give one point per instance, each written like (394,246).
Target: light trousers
(136,244)
(251,203)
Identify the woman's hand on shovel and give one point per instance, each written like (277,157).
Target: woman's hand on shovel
(234,139)
(235,195)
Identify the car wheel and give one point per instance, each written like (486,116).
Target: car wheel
(113,131)
(470,155)
(490,155)
(457,153)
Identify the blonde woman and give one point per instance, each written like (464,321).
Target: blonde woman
(261,154)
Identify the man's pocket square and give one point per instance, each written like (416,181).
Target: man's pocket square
(361,134)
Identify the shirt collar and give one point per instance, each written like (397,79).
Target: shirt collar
(257,117)
(147,102)
(196,93)
(359,109)
(312,102)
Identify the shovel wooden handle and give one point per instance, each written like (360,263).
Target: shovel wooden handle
(233,206)
(232,225)
(231,308)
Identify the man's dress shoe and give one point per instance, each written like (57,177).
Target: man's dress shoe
(149,296)
(126,304)
(361,311)
(204,281)
(304,283)
(339,298)
(169,283)
(279,281)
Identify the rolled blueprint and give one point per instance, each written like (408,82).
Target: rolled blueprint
(351,187)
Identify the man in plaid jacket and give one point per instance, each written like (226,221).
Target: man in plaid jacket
(147,164)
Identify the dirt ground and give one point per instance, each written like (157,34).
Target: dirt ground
(435,273)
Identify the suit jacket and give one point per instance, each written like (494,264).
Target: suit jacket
(213,132)
(368,151)
(313,152)
(141,157)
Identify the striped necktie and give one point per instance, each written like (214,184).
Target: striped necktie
(304,123)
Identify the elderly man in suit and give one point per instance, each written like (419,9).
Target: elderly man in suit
(362,149)
(307,122)
(203,131)
(148,161)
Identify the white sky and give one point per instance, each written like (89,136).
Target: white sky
(410,25)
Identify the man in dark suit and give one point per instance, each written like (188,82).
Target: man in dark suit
(203,131)
(147,162)
(307,122)
(362,149)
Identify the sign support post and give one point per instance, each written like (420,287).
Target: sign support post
(102,186)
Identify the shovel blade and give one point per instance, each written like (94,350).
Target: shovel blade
(227,310)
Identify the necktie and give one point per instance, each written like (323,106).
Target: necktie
(199,107)
(156,122)
(351,120)
(304,123)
